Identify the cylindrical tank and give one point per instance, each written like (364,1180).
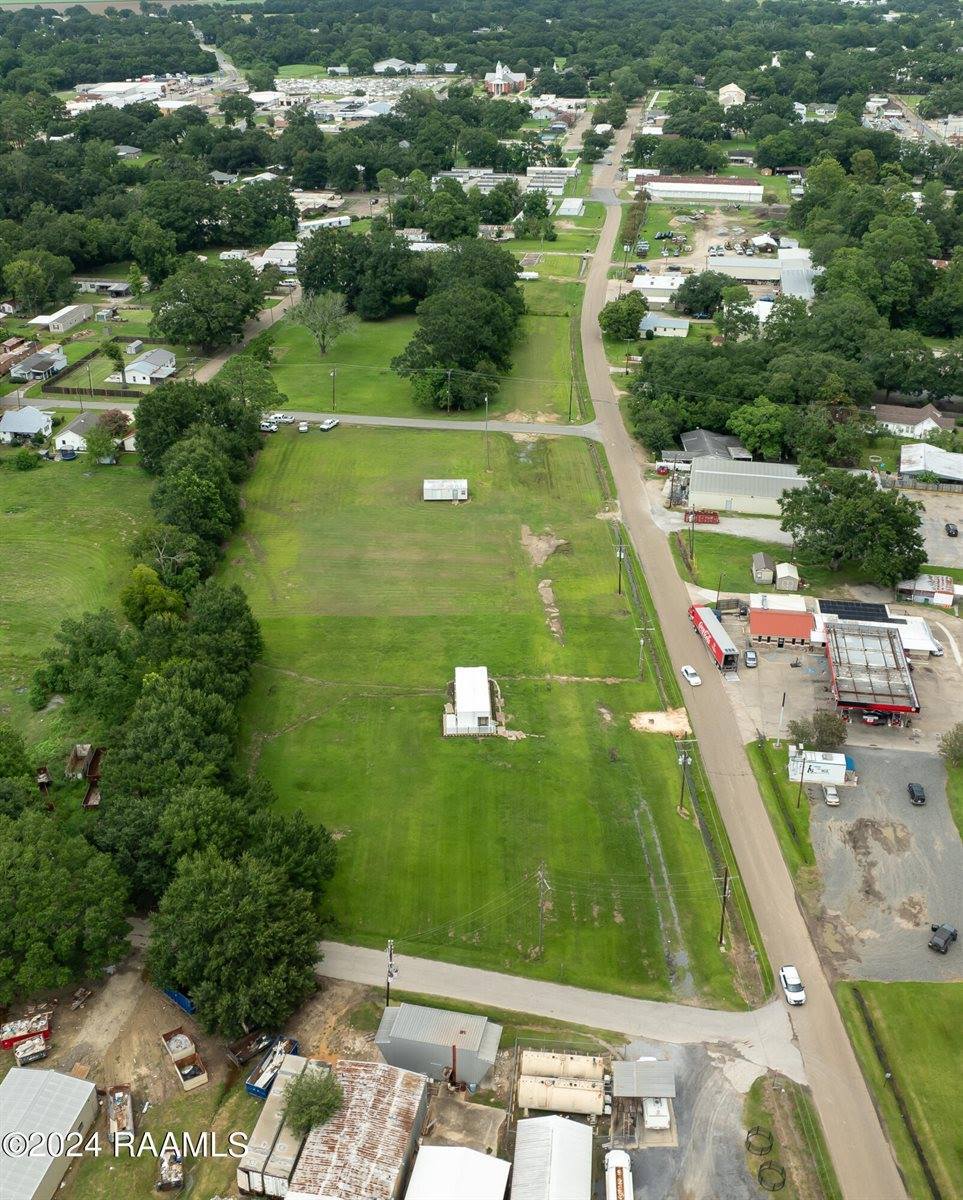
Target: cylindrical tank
(584,1096)
(562,1066)
(618,1176)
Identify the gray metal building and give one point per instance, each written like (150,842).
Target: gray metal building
(748,487)
(431,1040)
(53,1105)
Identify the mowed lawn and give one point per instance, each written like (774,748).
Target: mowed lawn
(65,530)
(729,556)
(365,383)
(368,599)
(919,1027)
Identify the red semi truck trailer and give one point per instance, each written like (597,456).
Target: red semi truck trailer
(720,645)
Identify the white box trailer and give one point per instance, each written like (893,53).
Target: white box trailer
(280,1165)
(445,489)
(250,1170)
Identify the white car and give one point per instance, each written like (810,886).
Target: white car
(329,424)
(269,427)
(302,427)
(792,986)
(282,418)
(830,795)
(691,676)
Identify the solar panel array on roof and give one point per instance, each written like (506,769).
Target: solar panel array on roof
(854,610)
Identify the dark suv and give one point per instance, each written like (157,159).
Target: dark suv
(916,793)
(943,937)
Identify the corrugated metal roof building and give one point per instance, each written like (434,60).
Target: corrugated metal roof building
(420,1038)
(457,1173)
(749,487)
(553,1160)
(365,1151)
(45,1103)
(644,1078)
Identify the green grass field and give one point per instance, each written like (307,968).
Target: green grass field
(919,1026)
(365,383)
(368,599)
(789,811)
(731,557)
(567,266)
(65,527)
(546,298)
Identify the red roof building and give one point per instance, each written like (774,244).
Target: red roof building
(769,625)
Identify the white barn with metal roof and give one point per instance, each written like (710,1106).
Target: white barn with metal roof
(457,1173)
(553,1160)
(46,1103)
(424,1039)
(748,487)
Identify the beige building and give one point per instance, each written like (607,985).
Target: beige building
(731,96)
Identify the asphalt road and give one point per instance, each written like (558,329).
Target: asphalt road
(762,1037)
(861,1154)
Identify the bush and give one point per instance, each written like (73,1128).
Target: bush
(824,731)
(25,460)
(951,746)
(312,1099)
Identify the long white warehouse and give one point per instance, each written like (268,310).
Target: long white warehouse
(704,187)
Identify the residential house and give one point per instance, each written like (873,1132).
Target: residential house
(14,350)
(153,367)
(731,96)
(115,288)
(502,81)
(911,422)
(40,366)
(127,151)
(24,422)
(660,325)
(72,436)
(224,178)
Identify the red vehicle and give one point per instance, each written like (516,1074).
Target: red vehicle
(701,516)
(719,644)
(18,1031)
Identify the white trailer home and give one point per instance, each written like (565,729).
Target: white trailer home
(444,489)
(469,713)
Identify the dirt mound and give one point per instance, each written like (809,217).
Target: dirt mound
(673,720)
(541,546)
(550,604)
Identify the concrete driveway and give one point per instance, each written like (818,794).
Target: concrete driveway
(890,869)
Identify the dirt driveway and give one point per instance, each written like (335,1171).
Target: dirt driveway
(889,869)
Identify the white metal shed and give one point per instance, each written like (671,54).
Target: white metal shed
(472,710)
(553,1160)
(447,1172)
(49,1104)
(445,489)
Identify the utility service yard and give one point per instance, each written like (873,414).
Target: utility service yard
(368,599)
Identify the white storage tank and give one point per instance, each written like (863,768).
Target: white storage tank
(656,1113)
(585,1096)
(562,1066)
(618,1176)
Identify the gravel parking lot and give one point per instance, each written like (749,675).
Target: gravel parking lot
(940,507)
(890,869)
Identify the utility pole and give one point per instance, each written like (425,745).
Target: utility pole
(684,759)
(334,398)
(802,777)
(782,710)
(543,889)
(620,555)
(488,455)
(392,970)
(571,385)
(725,897)
(722,576)
(448,372)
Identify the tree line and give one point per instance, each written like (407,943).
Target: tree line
(238,888)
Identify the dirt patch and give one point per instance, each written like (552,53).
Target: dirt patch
(911,914)
(610,514)
(550,604)
(841,939)
(511,735)
(891,836)
(541,546)
(673,720)
(531,418)
(605,714)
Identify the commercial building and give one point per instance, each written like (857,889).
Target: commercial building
(457,1173)
(820,766)
(502,81)
(660,325)
(469,711)
(749,487)
(721,189)
(920,457)
(365,1151)
(64,318)
(644,1088)
(784,620)
(438,1043)
(910,422)
(868,670)
(45,1105)
(553,1160)
(658,290)
(940,590)
(573,206)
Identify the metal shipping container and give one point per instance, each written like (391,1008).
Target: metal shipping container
(250,1170)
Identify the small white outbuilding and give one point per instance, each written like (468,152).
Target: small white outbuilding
(445,489)
(470,713)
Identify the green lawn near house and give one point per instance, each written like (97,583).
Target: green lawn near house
(546,298)
(365,382)
(570,241)
(65,531)
(568,266)
(368,599)
(729,556)
(919,1026)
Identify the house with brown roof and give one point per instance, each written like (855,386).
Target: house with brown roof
(904,421)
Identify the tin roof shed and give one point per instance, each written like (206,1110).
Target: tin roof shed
(446,1172)
(646,1078)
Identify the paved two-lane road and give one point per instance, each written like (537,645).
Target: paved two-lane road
(861,1154)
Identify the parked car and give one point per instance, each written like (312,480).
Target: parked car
(269,427)
(302,427)
(751,658)
(280,418)
(330,423)
(917,794)
(691,676)
(943,937)
(871,718)
(830,795)
(792,985)
(951,529)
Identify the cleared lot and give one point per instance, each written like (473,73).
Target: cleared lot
(890,869)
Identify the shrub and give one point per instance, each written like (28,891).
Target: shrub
(312,1099)
(25,460)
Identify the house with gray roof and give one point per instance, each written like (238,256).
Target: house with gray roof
(150,368)
(39,366)
(24,422)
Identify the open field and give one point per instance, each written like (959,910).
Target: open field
(64,532)
(368,599)
(545,298)
(365,383)
(724,554)
(567,266)
(918,1025)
